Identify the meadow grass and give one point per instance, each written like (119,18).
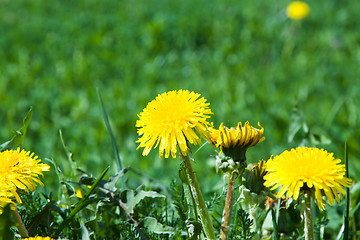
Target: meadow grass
(299,79)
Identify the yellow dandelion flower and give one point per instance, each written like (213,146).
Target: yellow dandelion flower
(315,167)
(20,170)
(297,10)
(235,141)
(39,238)
(170,120)
(5,199)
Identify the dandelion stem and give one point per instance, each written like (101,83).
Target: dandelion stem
(195,188)
(19,223)
(229,202)
(307,217)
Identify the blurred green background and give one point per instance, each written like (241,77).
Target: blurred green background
(299,79)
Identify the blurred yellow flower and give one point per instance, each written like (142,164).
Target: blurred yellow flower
(297,10)
(20,170)
(235,141)
(170,121)
(38,238)
(316,167)
(78,193)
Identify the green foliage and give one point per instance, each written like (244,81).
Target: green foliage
(299,79)
(19,135)
(5,224)
(242,226)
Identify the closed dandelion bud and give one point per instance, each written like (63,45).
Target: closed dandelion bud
(253,193)
(233,143)
(253,179)
(253,190)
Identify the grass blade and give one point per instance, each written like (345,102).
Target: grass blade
(113,141)
(274,220)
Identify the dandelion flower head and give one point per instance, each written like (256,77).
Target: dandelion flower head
(237,139)
(20,169)
(5,199)
(297,10)
(323,174)
(170,120)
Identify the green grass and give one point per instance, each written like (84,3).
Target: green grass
(298,79)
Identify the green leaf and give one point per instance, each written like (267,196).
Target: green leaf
(43,215)
(110,185)
(84,232)
(19,135)
(296,124)
(133,200)
(6,222)
(154,226)
(83,202)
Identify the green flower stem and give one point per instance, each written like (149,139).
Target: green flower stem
(19,223)
(229,201)
(307,217)
(195,188)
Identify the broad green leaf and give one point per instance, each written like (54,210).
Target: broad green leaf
(84,232)
(154,226)
(133,200)
(110,185)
